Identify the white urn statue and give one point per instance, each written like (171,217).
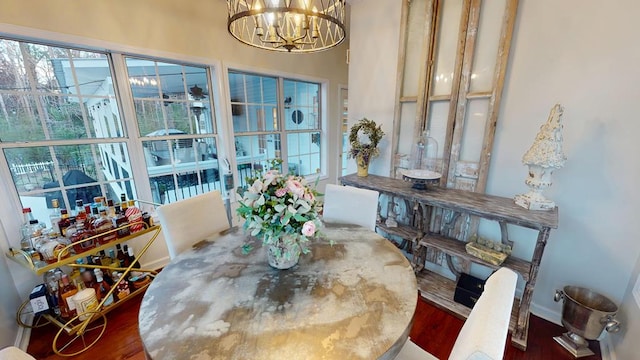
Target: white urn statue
(544,156)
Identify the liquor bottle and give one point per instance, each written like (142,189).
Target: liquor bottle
(111,211)
(102,288)
(123,289)
(51,279)
(64,222)
(54,216)
(121,223)
(94,215)
(123,259)
(32,240)
(65,291)
(88,278)
(103,225)
(132,257)
(134,216)
(81,214)
(111,254)
(81,238)
(51,249)
(71,229)
(26,226)
(76,273)
(97,203)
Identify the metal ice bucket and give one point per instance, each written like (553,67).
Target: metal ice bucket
(587,313)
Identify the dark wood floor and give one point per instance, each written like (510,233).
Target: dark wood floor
(434,330)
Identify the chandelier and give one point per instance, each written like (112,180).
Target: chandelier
(287,25)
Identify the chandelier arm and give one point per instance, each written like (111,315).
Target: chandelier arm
(316,25)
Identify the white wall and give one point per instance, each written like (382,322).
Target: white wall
(625,343)
(586,60)
(584,55)
(9,302)
(373,60)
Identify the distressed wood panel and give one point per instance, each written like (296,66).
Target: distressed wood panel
(490,207)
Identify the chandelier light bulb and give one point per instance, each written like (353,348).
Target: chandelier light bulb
(296,26)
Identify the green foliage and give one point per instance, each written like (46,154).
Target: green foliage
(276,204)
(366,150)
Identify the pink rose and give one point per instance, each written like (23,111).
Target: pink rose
(281,192)
(295,187)
(270,177)
(309,197)
(308,228)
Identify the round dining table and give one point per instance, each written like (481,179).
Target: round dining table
(352,297)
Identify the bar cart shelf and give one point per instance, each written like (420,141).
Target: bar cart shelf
(84,330)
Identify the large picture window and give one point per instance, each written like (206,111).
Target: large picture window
(275,117)
(66,131)
(60,126)
(175,120)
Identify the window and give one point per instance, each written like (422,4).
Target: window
(274,117)
(51,102)
(172,107)
(68,127)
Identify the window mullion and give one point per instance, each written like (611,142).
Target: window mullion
(281,125)
(132,136)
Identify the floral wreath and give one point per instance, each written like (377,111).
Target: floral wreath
(374,133)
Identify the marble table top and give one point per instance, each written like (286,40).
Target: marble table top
(354,299)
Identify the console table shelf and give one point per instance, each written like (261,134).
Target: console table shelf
(434,224)
(429,281)
(456,248)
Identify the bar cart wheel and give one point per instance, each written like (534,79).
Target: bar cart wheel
(25,312)
(77,336)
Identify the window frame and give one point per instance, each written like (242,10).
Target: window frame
(323,85)
(124,99)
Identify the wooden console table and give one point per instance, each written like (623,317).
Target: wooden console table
(438,218)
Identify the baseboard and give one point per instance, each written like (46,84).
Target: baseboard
(606,347)
(22,338)
(546,313)
(157,264)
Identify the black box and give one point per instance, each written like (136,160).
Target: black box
(468,290)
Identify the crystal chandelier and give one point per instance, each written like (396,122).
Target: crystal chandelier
(288,25)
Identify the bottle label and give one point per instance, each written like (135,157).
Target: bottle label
(68,298)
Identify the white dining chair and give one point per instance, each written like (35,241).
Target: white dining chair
(484,334)
(350,205)
(191,220)
(14,353)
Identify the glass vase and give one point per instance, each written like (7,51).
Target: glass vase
(284,253)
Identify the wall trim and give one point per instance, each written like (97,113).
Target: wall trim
(22,338)
(156,264)
(607,350)
(546,313)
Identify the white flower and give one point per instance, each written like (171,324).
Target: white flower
(256,187)
(308,228)
(270,178)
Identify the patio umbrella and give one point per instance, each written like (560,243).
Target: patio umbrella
(73,177)
(164,132)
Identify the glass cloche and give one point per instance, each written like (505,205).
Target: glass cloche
(424,166)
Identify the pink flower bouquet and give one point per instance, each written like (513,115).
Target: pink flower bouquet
(276,206)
